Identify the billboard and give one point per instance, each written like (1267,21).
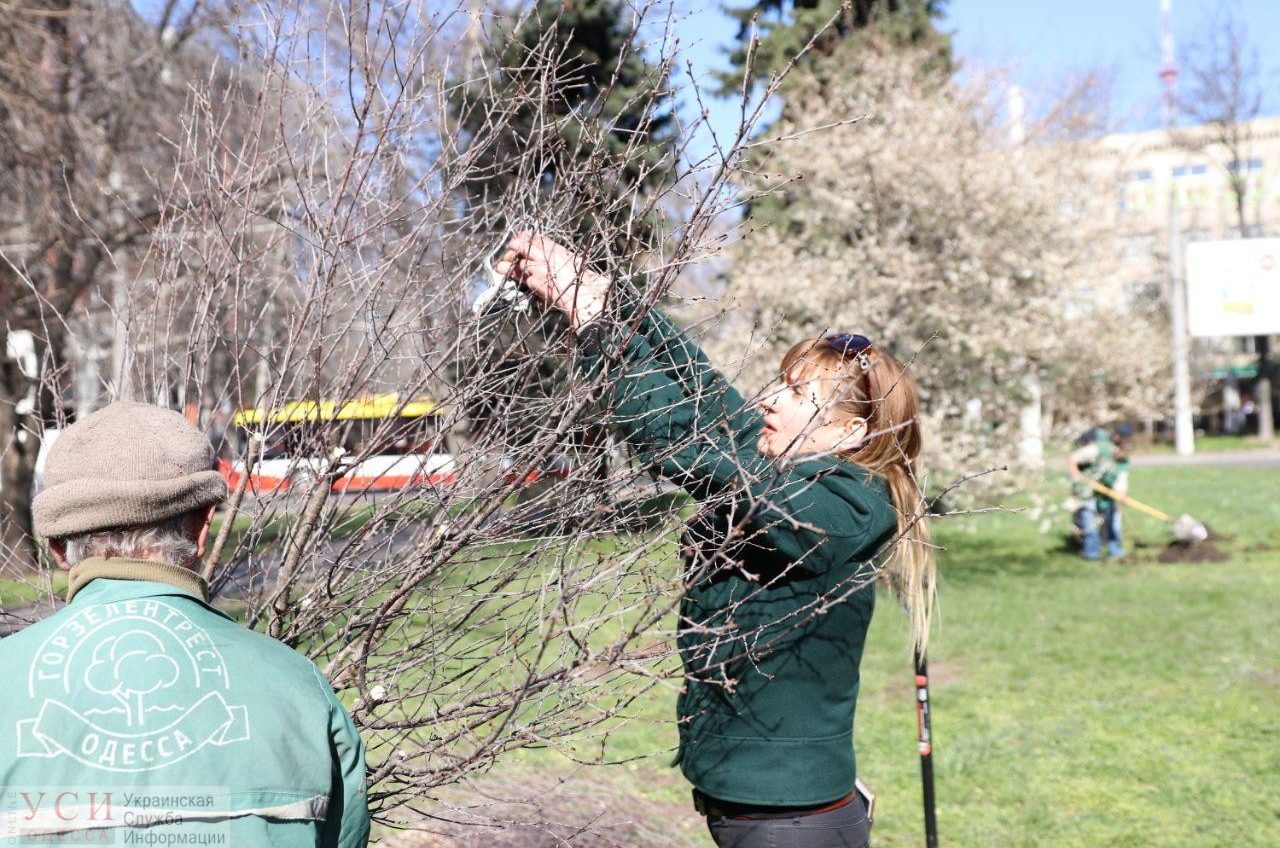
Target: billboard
(1233,287)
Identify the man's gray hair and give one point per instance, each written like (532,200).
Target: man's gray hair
(169,542)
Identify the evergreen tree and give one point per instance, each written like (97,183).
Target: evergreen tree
(784,27)
(571,84)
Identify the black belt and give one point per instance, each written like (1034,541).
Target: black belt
(708,806)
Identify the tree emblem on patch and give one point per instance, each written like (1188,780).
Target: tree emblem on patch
(129,686)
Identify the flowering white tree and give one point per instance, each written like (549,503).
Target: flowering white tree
(939,224)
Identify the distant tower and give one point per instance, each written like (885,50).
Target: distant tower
(1168,65)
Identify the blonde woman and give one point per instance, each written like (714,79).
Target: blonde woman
(803,491)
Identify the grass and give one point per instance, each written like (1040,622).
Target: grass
(1096,704)
(15,593)
(1056,453)
(1075,704)
(1212,444)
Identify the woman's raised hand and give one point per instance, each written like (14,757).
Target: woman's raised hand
(556,275)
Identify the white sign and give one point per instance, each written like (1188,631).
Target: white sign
(1233,287)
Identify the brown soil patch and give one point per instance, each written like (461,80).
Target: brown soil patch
(588,809)
(1270,679)
(1215,536)
(902,689)
(1192,552)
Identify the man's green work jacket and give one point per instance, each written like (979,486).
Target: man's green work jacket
(140,715)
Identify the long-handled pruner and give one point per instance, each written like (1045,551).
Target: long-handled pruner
(925,734)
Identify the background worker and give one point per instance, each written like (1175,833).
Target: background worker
(1100,456)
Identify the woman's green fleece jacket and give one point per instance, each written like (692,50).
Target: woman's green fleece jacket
(778,590)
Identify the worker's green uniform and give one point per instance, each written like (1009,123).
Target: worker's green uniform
(779,584)
(1114,476)
(1098,462)
(141,709)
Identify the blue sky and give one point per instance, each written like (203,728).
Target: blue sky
(1043,42)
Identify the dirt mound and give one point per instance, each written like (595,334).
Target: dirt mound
(1215,536)
(1192,552)
(536,811)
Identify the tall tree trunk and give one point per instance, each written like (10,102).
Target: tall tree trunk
(1239,188)
(1262,386)
(19,445)
(1263,390)
(30,403)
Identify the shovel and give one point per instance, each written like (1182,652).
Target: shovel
(1184,528)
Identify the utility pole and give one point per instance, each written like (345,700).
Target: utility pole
(1184,434)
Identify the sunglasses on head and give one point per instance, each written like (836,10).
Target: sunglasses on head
(851,345)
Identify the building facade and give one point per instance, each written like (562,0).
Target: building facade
(1206,179)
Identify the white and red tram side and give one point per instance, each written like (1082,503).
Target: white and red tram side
(386,444)
(383,473)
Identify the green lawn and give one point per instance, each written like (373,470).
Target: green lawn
(36,587)
(1212,444)
(1075,704)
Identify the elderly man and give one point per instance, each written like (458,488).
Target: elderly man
(139,714)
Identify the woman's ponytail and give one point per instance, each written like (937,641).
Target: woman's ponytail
(891,450)
(875,387)
(912,567)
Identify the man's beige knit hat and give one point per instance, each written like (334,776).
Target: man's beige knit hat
(125,465)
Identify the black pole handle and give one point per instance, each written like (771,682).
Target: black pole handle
(925,735)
